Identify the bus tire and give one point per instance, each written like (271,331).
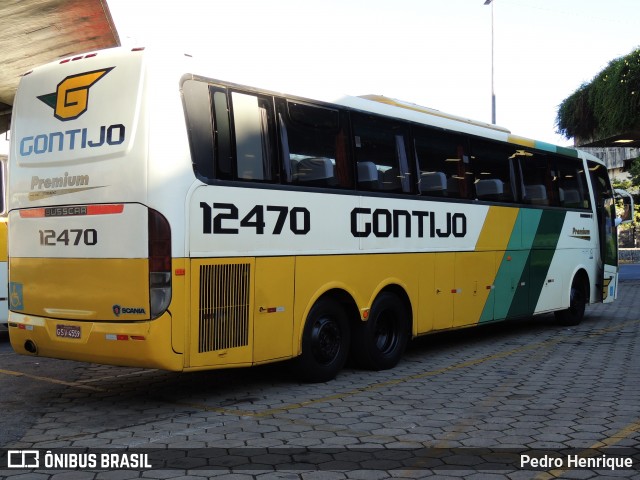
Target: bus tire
(379,343)
(577,303)
(325,342)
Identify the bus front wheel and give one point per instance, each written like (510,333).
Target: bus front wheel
(577,304)
(378,343)
(325,342)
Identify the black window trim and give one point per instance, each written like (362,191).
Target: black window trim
(279,173)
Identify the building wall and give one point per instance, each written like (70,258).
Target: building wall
(614,158)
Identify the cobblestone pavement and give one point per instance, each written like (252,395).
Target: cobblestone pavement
(469,404)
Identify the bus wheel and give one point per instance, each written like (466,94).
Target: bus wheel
(378,343)
(577,303)
(325,342)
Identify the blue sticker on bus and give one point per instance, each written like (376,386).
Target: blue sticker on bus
(15,296)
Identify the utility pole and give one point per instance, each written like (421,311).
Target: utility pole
(493,92)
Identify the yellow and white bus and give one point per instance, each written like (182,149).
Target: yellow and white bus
(162,217)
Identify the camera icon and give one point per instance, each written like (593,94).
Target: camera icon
(23,459)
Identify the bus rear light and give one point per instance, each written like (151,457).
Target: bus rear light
(159,292)
(112,336)
(159,263)
(123,337)
(106,209)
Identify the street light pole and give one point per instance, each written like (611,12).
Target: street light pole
(493,92)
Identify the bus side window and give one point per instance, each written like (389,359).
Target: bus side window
(222,134)
(443,166)
(197,108)
(254,131)
(492,171)
(604,198)
(539,177)
(381,144)
(313,145)
(573,191)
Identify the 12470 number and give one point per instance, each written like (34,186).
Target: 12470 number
(74,236)
(225,218)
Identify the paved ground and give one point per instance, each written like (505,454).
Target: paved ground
(470,404)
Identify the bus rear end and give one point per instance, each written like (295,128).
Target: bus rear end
(89,260)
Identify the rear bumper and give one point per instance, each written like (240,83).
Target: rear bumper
(144,344)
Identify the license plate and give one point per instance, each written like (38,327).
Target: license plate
(67,331)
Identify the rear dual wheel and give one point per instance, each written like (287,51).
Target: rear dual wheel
(325,342)
(379,343)
(376,344)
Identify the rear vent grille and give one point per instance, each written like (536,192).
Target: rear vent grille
(224,307)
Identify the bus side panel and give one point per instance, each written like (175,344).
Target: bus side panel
(576,248)
(543,249)
(222,301)
(273,309)
(510,291)
(445,281)
(502,230)
(242,311)
(511,287)
(541,283)
(546,287)
(475,273)
(426,314)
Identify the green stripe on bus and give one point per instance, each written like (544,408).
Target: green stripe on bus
(524,265)
(512,266)
(570,152)
(549,147)
(544,248)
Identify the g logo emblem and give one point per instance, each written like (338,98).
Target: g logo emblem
(71,97)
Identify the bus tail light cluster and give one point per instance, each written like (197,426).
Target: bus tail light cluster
(123,337)
(159,263)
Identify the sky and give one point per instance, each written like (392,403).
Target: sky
(435,53)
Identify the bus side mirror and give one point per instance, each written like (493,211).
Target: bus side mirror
(624,205)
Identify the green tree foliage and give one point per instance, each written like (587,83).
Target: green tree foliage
(608,105)
(634,173)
